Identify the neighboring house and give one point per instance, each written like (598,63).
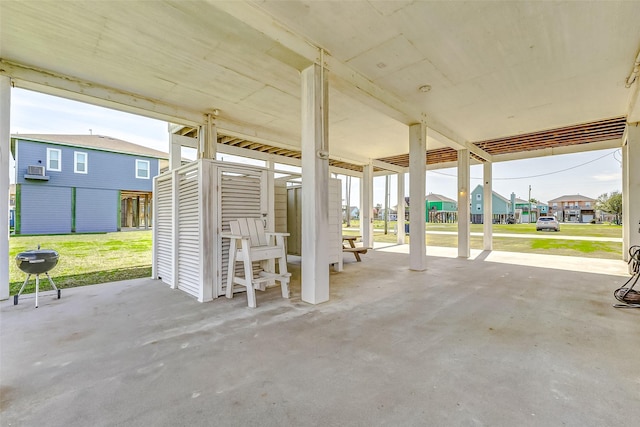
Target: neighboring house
(355,212)
(537,209)
(393,214)
(82,183)
(500,207)
(573,208)
(12,205)
(441,208)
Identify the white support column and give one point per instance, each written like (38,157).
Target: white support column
(487,216)
(207,139)
(464,250)
(417,196)
(400,210)
(632,221)
(315,185)
(625,201)
(366,205)
(175,152)
(5,138)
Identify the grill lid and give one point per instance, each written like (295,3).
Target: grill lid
(37,261)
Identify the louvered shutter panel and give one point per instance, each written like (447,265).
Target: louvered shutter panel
(163,230)
(188,209)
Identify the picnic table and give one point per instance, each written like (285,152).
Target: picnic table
(349,245)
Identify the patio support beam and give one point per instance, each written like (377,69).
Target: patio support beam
(315,185)
(175,152)
(417,196)
(5,138)
(463,204)
(400,210)
(625,198)
(207,138)
(487,217)
(366,211)
(632,221)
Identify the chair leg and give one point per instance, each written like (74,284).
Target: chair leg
(248,276)
(284,279)
(231,268)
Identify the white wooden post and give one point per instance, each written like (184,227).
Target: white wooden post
(366,206)
(400,210)
(417,196)
(174,229)
(315,185)
(625,200)
(5,137)
(464,250)
(175,152)
(632,220)
(488,206)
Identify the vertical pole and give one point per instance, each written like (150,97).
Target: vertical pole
(464,250)
(633,178)
(119,211)
(400,221)
(175,152)
(5,138)
(487,196)
(417,198)
(366,207)
(315,185)
(348,198)
(210,138)
(386,204)
(625,201)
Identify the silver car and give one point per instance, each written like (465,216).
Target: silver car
(547,223)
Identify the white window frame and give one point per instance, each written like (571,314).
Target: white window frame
(59,151)
(587,204)
(138,162)
(75,162)
(478,196)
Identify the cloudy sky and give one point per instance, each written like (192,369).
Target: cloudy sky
(589,174)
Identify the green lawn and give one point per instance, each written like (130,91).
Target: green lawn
(568,247)
(86,259)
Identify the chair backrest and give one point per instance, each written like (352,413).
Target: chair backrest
(252,227)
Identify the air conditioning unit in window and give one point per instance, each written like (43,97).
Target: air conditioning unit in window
(36,172)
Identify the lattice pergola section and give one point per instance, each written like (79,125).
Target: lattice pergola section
(601,130)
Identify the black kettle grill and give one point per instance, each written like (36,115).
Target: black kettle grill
(36,262)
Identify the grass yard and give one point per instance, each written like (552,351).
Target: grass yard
(85,259)
(565,247)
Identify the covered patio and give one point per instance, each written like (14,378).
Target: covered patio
(485,341)
(405,337)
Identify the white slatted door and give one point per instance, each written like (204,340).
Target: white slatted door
(335,222)
(163,223)
(188,211)
(242,194)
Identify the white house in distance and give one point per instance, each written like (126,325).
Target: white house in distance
(573,208)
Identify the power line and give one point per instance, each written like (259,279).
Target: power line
(539,175)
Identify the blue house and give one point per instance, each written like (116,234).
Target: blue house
(82,183)
(500,206)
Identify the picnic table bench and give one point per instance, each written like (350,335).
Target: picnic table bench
(349,245)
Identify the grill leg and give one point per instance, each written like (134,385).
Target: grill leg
(53,284)
(37,288)
(16,296)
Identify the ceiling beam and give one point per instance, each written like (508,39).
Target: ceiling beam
(51,83)
(458,144)
(554,151)
(388,167)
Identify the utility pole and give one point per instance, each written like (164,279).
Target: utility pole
(530,214)
(348,185)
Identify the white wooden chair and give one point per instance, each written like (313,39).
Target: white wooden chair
(249,242)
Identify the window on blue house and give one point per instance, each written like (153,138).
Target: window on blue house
(80,162)
(54,159)
(142,169)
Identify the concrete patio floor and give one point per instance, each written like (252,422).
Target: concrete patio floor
(480,342)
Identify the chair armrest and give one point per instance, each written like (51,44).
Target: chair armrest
(272,233)
(233,236)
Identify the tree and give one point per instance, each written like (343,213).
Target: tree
(611,203)
(533,200)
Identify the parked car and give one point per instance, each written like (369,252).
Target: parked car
(547,223)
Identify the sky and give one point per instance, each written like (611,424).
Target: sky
(589,174)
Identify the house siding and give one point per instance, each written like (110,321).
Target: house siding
(106,170)
(45,209)
(96,210)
